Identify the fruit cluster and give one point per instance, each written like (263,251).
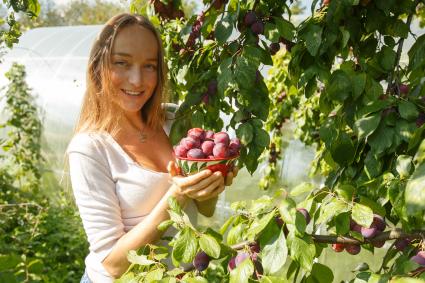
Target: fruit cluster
(378,225)
(252,254)
(201,144)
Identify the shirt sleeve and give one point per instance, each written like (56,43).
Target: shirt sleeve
(95,196)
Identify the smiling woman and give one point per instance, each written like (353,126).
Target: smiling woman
(121,161)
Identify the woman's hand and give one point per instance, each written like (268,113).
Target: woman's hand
(201,186)
(230,175)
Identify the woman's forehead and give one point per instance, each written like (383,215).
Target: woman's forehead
(135,40)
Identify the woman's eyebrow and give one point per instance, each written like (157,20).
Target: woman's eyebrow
(121,54)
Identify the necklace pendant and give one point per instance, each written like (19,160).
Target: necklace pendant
(143,137)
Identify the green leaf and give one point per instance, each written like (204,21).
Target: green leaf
(303,251)
(274,254)
(242,272)
(235,234)
(262,138)
(185,246)
(154,275)
(245,72)
(143,260)
(313,38)
(362,214)
(286,29)
(329,210)
(174,205)
(343,150)
(415,193)
(302,188)
(342,223)
(209,245)
(408,110)
(224,27)
(258,225)
(271,32)
(225,76)
(287,210)
(365,126)
(359,83)
(321,273)
(386,58)
(165,224)
(245,133)
(404,165)
(381,139)
(339,86)
(417,53)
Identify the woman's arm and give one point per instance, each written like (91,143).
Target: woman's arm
(146,231)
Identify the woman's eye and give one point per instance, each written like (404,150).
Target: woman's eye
(120,63)
(151,67)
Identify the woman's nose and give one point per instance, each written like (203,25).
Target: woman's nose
(135,77)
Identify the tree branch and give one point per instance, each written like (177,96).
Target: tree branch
(400,49)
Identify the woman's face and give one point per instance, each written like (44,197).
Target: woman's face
(134,64)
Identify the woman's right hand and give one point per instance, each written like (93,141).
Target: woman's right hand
(200,186)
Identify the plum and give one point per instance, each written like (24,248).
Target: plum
(250,18)
(235,144)
(212,87)
(305,213)
(378,244)
(240,257)
(338,247)
(368,232)
(221,137)
(201,261)
(257,27)
(352,249)
(378,222)
(180,151)
(209,135)
(254,247)
(190,143)
(232,264)
(274,48)
(196,133)
(220,150)
(403,88)
(419,258)
(420,120)
(195,153)
(279,221)
(401,244)
(207,147)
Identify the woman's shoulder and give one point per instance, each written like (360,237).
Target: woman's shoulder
(89,143)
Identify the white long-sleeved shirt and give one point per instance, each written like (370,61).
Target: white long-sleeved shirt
(113,194)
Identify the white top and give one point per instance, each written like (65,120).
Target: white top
(113,194)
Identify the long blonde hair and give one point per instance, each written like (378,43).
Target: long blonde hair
(98,111)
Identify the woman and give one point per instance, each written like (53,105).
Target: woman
(120,158)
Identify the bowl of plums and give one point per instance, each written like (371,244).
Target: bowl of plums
(204,149)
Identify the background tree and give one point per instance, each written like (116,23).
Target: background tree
(340,79)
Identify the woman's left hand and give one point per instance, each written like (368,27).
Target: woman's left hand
(231,175)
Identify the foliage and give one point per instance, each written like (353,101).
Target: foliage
(12,30)
(341,81)
(40,241)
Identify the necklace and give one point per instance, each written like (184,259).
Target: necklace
(143,137)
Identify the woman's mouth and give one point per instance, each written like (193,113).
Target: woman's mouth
(132,93)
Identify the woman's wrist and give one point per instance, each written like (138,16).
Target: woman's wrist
(182,199)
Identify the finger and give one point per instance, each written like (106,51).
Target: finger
(214,193)
(186,182)
(204,183)
(235,171)
(229,179)
(172,168)
(206,192)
